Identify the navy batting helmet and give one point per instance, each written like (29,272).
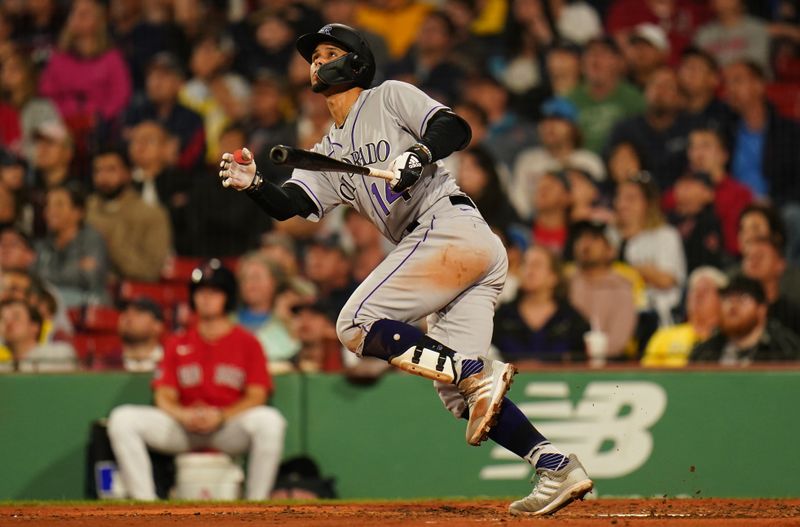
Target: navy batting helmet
(213,274)
(356,68)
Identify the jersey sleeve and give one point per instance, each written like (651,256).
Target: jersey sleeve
(410,106)
(166,372)
(319,186)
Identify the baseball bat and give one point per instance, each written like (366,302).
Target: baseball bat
(297,158)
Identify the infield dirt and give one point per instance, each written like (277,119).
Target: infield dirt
(593,513)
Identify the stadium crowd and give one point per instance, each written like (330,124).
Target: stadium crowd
(639,159)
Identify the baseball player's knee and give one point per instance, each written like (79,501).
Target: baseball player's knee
(265,421)
(351,335)
(122,420)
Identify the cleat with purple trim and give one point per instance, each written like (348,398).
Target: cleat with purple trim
(554,489)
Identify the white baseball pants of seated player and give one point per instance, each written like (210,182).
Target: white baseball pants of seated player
(451,268)
(257,431)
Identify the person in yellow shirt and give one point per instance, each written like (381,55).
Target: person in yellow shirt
(397,21)
(670,346)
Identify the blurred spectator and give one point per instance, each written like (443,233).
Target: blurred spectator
(708,153)
(528,33)
(552,200)
(314,120)
(165,77)
(73,256)
(21,330)
(367,241)
(560,141)
(37,32)
(479,179)
(540,324)
(18,86)
(268,123)
(217,94)
(660,131)
(765,156)
(344,12)
(269,43)
(222,222)
(327,265)
(598,292)
(650,245)
(152,152)
(16,283)
(624,161)
(586,202)
(699,82)
(209,392)
(604,97)
(10,213)
(137,235)
(763,260)
(141,29)
(397,21)
(16,249)
(54,151)
(429,64)
(679,18)
(10,131)
(87,77)
(563,63)
(575,20)
(696,221)
(759,221)
(320,350)
(279,248)
(647,52)
(13,174)
(506,133)
(140,327)
(746,334)
(19,283)
(260,281)
(670,346)
(733,35)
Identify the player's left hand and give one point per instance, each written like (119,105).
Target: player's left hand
(235,175)
(407,168)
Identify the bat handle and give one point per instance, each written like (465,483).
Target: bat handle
(383,174)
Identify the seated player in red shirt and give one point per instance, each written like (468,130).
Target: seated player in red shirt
(209,392)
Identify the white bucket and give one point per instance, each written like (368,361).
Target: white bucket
(207,476)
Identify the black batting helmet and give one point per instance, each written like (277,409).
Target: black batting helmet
(356,68)
(213,274)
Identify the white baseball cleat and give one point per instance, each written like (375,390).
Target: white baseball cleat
(484,392)
(554,489)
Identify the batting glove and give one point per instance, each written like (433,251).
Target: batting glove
(239,176)
(408,166)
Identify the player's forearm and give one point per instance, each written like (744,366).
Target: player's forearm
(254,396)
(281,202)
(167,400)
(446,133)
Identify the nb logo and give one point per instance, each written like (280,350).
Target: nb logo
(608,428)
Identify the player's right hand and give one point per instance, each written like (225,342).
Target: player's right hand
(235,175)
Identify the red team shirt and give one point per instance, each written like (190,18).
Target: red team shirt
(215,373)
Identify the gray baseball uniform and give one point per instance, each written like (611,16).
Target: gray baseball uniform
(450,267)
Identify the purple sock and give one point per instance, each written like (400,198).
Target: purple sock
(514,431)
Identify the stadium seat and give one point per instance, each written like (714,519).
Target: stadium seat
(179,268)
(100,319)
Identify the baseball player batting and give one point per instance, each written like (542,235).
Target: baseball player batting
(447,264)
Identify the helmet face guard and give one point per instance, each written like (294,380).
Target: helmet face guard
(347,69)
(356,68)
